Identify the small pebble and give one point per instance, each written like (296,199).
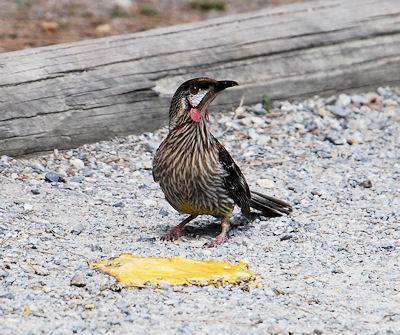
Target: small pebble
(285,237)
(7,295)
(78,280)
(38,167)
(2,167)
(149,202)
(54,177)
(163,211)
(365,183)
(28,207)
(310,280)
(171,302)
(78,229)
(266,183)
(35,191)
(77,163)
(164,286)
(344,100)
(372,97)
(77,180)
(152,145)
(336,139)
(339,110)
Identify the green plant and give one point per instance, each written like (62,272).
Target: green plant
(119,12)
(207,5)
(267,102)
(149,11)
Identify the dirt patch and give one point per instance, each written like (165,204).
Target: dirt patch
(35,23)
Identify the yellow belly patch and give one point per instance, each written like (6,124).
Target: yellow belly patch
(193,210)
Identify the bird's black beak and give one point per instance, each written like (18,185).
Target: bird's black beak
(213,92)
(223,84)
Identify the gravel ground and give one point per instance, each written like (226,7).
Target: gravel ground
(330,267)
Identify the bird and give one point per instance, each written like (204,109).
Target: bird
(195,171)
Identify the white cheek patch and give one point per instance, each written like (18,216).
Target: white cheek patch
(195,99)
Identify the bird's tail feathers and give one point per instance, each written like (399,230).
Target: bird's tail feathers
(269,206)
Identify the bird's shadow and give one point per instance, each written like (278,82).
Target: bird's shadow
(212,229)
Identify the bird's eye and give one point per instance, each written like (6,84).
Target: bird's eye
(194,90)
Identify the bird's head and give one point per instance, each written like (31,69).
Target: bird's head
(191,99)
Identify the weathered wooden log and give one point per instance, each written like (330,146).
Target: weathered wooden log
(64,95)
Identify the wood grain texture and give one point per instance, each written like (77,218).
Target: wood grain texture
(64,95)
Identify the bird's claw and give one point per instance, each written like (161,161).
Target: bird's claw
(174,234)
(215,243)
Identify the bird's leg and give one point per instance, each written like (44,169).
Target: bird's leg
(221,238)
(178,231)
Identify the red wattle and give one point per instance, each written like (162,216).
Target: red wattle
(195,114)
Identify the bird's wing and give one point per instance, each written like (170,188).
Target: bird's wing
(234,180)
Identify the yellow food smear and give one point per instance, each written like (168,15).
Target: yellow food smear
(147,271)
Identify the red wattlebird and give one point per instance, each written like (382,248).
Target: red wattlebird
(196,173)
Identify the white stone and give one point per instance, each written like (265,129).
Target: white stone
(310,280)
(372,97)
(248,153)
(344,100)
(269,292)
(28,207)
(263,139)
(266,183)
(150,202)
(78,163)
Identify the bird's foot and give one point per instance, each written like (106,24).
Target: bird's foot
(178,231)
(221,239)
(174,234)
